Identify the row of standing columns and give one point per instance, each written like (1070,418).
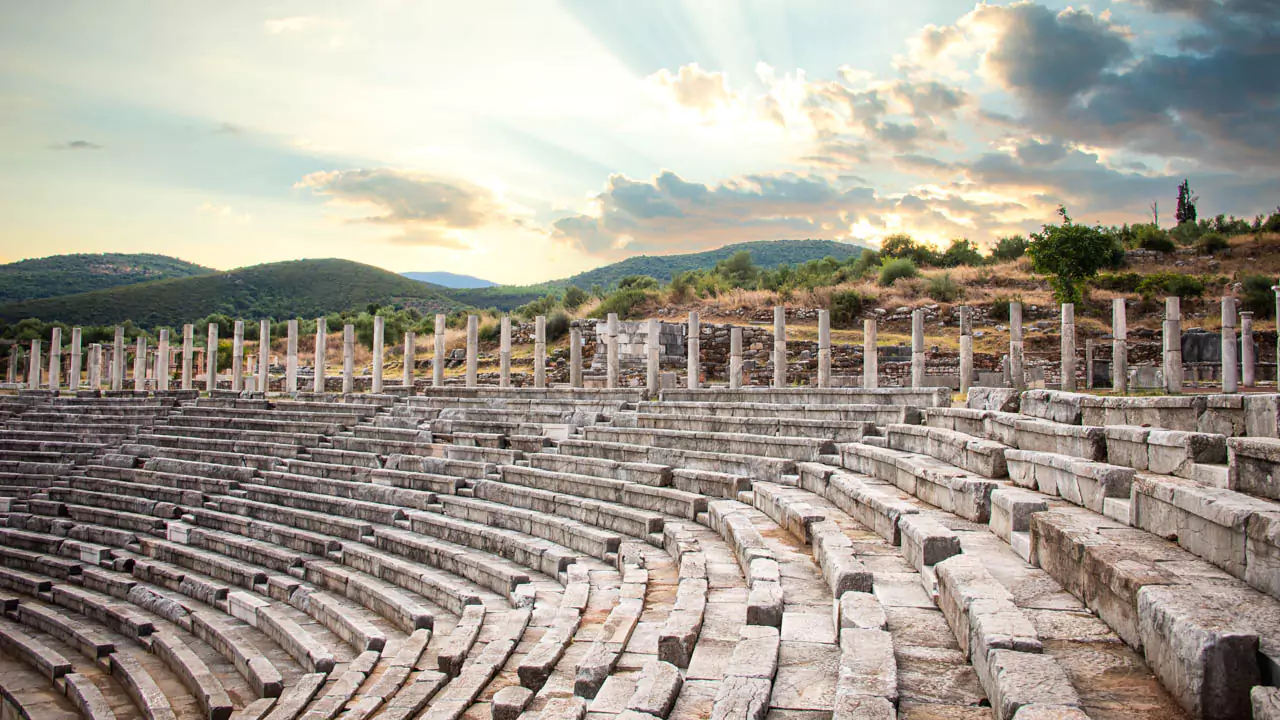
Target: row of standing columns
(1236,370)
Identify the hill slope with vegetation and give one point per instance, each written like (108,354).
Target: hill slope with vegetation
(299,288)
(72,274)
(663,268)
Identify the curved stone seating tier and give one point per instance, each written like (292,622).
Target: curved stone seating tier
(25,694)
(753,466)
(611,517)
(981,457)
(833,430)
(248,447)
(874,413)
(517,394)
(933,481)
(664,500)
(789,448)
(1164,452)
(919,398)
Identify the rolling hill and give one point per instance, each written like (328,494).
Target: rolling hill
(449,280)
(70,274)
(766,253)
(298,288)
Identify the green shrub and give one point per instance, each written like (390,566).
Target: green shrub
(638,282)
(1070,254)
(490,332)
(1211,243)
(896,269)
(623,302)
(1160,285)
(1118,282)
(1153,238)
(846,308)
(1258,296)
(942,288)
(557,325)
(1000,307)
(961,252)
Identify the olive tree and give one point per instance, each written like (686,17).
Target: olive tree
(1069,254)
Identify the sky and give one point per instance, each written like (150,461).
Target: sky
(526,140)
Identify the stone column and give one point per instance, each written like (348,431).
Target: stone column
(779,346)
(1119,347)
(410,357)
(291,358)
(504,352)
(1088,364)
(95,366)
(540,352)
(264,356)
(33,367)
(651,357)
(140,365)
(11,375)
(322,350)
(966,349)
(437,360)
(917,348)
(237,357)
(735,358)
(73,378)
(379,340)
(824,349)
(1246,349)
(348,358)
(162,361)
(1230,362)
(55,359)
(473,340)
(870,356)
(611,350)
(693,346)
(575,357)
(1068,347)
(1017,368)
(211,359)
(188,354)
(1172,345)
(117,361)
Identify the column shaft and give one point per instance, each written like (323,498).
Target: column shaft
(1017,368)
(1230,362)
(379,340)
(437,359)
(1247,358)
(55,359)
(211,359)
(575,357)
(348,358)
(779,347)
(611,351)
(95,367)
(966,349)
(540,352)
(917,348)
(1068,365)
(237,357)
(33,367)
(651,356)
(140,365)
(1172,345)
(188,354)
(693,352)
(264,356)
(291,358)
(117,361)
(473,340)
(322,352)
(824,348)
(870,355)
(73,377)
(504,352)
(1119,347)
(735,358)
(410,357)
(162,360)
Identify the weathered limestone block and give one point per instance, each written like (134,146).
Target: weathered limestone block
(1020,679)
(1265,701)
(1081,482)
(741,698)
(1169,412)
(867,664)
(1254,466)
(657,690)
(1011,511)
(999,399)
(926,542)
(1223,414)
(510,701)
(1054,405)
(859,610)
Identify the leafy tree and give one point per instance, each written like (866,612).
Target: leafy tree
(638,282)
(1009,248)
(902,246)
(1069,254)
(1186,212)
(1258,296)
(961,252)
(739,269)
(574,296)
(942,288)
(557,325)
(846,308)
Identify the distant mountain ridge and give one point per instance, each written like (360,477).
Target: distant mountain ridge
(85,272)
(449,280)
(297,288)
(765,253)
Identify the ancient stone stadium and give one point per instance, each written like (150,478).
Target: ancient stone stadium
(178,543)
